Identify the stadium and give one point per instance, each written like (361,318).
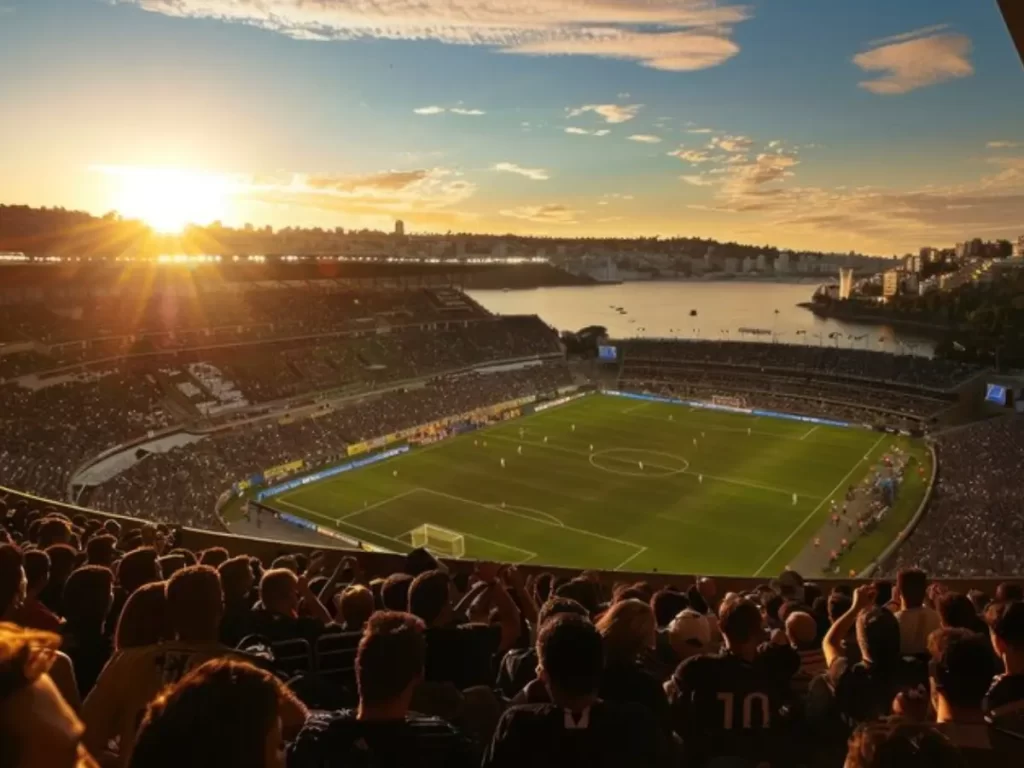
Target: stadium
(390,426)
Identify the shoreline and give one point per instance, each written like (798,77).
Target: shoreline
(920,326)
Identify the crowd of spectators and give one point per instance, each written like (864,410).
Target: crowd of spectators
(975,520)
(183,485)
(46,432)
(883,402)
(121,646)
(857,363)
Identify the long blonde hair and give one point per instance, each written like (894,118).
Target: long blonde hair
(628,628)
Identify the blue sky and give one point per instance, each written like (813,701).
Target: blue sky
(829,124)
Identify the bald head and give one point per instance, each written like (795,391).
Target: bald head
(801,629)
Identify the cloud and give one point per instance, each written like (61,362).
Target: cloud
(922,32)
(584,132)
(435,110)
(537,174)
(389,180)
(1003,144)
(674,35)
(691,155)
(612,113)
(645,138)
(701,130)
(543,214)
(914,61)
(698,180)
(731,143)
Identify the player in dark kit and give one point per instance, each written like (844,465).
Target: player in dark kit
(736,704)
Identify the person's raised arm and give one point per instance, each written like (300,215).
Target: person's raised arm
(527,605)
(508,613)
(832,645)
(309,597)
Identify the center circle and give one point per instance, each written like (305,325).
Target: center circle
(627,461)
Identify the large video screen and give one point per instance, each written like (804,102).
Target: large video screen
(995,393)
(607,353)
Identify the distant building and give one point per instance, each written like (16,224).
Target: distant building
(399,228)
(891,283)
(732,264)
(1018,248)
(782,262)
(500,250)
(749,263)
(762,262)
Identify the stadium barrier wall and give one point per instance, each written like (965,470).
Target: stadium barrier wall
(881,561)
(377,564)
(731,409)
(290,485)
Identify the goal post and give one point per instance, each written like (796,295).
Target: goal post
(439,541)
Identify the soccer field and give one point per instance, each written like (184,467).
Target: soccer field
(709,497)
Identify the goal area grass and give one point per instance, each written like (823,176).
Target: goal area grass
(615,483)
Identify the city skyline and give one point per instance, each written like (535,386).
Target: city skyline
(818,128)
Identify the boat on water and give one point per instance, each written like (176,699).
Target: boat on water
(756,331)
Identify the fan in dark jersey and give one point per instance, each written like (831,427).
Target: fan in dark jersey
(383,733)
(1005,699)
(734,704)
(577,728)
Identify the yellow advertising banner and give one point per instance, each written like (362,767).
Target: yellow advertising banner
(356,448)
(283,469)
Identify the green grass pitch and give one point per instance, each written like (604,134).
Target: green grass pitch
(710,497)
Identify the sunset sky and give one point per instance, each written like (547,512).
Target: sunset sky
(874,125)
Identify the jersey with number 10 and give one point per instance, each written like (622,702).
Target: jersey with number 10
(727,706)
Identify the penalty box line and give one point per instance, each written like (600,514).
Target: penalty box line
(561,527)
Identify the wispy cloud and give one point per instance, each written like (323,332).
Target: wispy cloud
(537,174)
(645,138)
(698,180)
(543,214)
(913,34)
(436,110)
(700,130)
(1003,144)
(612,113)
(675,35)
(691,155)
(731,143)
(915,60)
(584,132)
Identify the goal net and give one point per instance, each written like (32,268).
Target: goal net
(729,400)
(439,540)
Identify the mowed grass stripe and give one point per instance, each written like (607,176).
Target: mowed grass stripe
(685,525)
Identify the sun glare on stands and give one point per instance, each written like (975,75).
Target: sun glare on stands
(169,199)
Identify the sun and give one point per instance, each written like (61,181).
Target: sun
(169,199)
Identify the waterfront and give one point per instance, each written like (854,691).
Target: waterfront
(662,309)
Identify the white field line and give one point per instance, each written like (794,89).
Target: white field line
(706,428)
(311,512)
(512,512)
(729,480)
(629,559)
(814,511)
(554,520)
(367,508)
(809,432)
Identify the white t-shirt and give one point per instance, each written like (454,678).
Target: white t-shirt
(915,626)
(130,680)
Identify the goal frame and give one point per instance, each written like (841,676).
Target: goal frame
(429,536)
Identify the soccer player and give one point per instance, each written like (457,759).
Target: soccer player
(502,463)
(748,432)
(641,465)
(394,473)
(573,427)
(671,417)
(545,438)
(794,499)
(519,450)
(733,704)
(591,447)
(521,431)
(695,442)
(700,479)
(703,435)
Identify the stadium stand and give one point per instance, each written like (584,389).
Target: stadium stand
(153,640)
